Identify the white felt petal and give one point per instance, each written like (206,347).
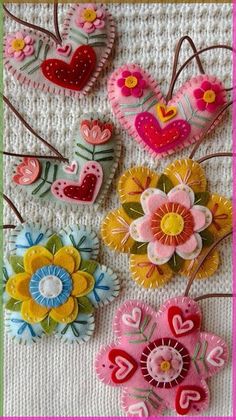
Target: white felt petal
(155,255)
(151,199)
(140,229)
(208,217)
(193,254)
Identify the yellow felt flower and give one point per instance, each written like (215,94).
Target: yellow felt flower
(166,222)
(50,284)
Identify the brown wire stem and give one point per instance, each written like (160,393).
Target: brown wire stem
(13,207)
(55,19)
(176,59)
(213,295)
(202,260)
(33,156)
(24,122)
(213,155)
(56,38)
(173,82)
(8,227)
(199,142)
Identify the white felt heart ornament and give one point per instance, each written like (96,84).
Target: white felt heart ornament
(215,357)
(70,69)
(139,409)
(163,128)
(133,319)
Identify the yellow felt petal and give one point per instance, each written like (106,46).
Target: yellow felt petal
(18,286)
(32,312)
(188,172)
(221,210)
(30,260)
(208,268)
(38,262)
(67,312)
(83,283)
(147,274)
(64,258)
(115,230)
(134,181)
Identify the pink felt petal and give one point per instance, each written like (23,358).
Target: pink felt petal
(212,107)
(126,91)
(19,35)
(88,25)
(140,229)
(120,82)
(100,24)
(189,246)
(201,105)
(217,88)
(142,84)
(137,92)
(126,73)
(28,50)
(198,93)
(163,251)
(166,354)
(181,197)
(152,199)
(199,218)
(206,85)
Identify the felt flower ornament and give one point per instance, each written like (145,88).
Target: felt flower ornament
(166,222)
(95,132)
(161,359)
(90,17)
(131,84)
(209,96)
(53,287)
(19,46)
(27,172)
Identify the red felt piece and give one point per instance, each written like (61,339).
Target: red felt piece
(125,366)
(73,75)
(187,396)
(84,191)
(181,325)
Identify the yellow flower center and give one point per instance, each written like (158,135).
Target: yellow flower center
(209,96)
(172,224)
(165,366)
(18,44)
(90,15)
(131,81)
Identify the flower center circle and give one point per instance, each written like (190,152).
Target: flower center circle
(131,81)
(172,224)
(50,286)
(165,363)
(209,96)
(165,366)
(90,15)
(18,44)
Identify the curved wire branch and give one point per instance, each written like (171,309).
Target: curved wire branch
(202,260)
(213,295)
(56,38)
(33,156)
(172,85)
(8,227)
(176,59)
(13,207)
(55,20)
(213,155)
(32,131)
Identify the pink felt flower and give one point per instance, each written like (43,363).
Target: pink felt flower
(27,172)
(19,46)
(170,224)
(132,83)
(95,132)
(209,96)
(90,17)
(161,359)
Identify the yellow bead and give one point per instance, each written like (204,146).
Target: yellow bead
(90,15)
(209,96)
(131,82)
(18,44)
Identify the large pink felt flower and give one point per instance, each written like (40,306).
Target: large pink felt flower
(19,46)
(161,359)
(170,224)
(209,96)
(90,17)
(131,83)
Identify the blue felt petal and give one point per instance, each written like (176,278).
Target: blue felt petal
(26,235)
(83,239)
(106,288)
(78,331)
(7,272)
(20,330)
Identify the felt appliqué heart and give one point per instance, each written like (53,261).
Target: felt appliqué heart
(162,128)
(181,325)
(70,69)
(186,396)
(86,179)
(125,365)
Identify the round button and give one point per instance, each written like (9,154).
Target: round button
(131,82)
(172,224)
(50,286)
(209,96)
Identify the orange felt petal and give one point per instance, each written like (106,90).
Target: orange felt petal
(31,262)
(149,275)
(32,312)
(134,182)
(115,231)
(83,283)
(188,172)
(65,313)
(18,286)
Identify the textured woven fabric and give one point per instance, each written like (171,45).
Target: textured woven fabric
(52,379)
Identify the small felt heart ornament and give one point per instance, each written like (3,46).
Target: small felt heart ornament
(163,128)
(71,68)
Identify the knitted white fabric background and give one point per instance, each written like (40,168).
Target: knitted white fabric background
(52,379)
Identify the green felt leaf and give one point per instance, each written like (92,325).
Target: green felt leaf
(13,305)
(88,265)
(202,198)
(207,237)
(54,244)
(164,184)
(48,324)
(17,263)
(176,263)
(85,306)
(133,210)
(139,248)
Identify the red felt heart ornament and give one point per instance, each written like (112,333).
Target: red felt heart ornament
(73,75)
(181,325)
(186,396)
(125,365)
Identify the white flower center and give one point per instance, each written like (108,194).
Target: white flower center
(157,360)
(50,286)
